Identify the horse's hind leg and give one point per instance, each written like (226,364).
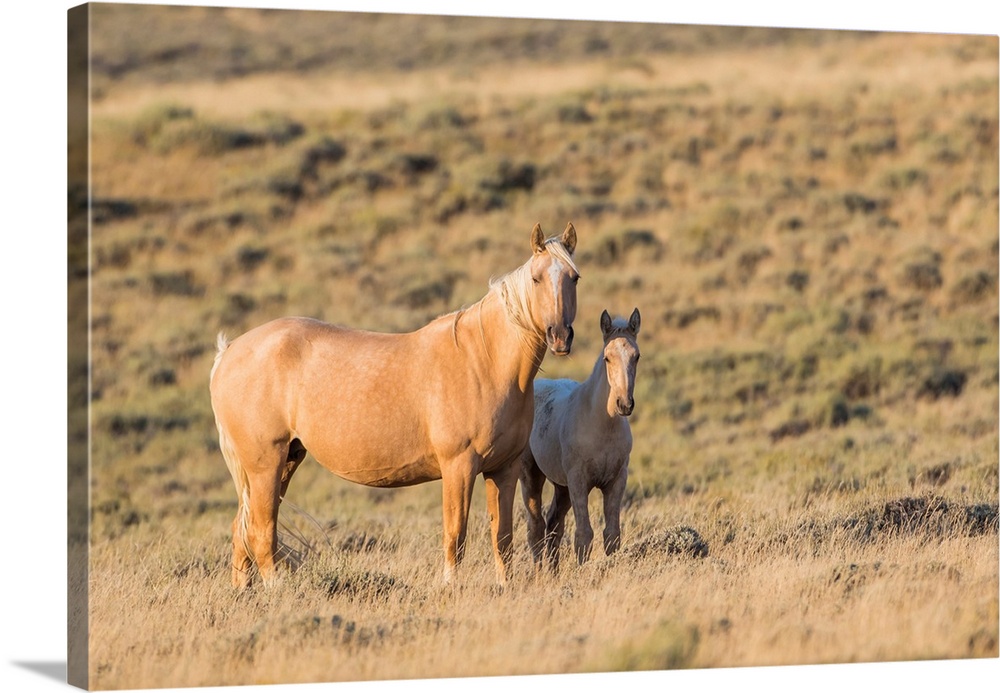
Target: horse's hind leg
(532,481)
(262,530)
(266,478)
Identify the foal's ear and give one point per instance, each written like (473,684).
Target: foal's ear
(605,323)
(633,322)
(569,238)
(537,239)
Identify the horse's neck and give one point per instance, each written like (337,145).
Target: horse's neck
(501,343)
(594,393)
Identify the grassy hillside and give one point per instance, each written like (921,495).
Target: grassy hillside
(808,222)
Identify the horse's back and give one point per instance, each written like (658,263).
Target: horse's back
(287,344)
(274,369)
(278,343)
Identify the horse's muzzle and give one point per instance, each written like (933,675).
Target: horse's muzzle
(625,407)
(559,339)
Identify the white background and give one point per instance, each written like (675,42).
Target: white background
(33,335)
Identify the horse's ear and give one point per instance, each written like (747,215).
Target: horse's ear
(569,238)
(633,322)
(537,239)
(605,323)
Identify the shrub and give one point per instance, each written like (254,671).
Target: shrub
(668,646)
(943,382)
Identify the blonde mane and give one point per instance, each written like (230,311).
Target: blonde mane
(513,292)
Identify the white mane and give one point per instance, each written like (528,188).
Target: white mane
(513,291)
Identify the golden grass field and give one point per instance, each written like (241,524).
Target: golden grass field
(807,220)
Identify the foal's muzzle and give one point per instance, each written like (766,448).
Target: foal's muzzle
(559,339)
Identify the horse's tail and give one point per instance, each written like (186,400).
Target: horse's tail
(233,463)
(221,344)
(242,483)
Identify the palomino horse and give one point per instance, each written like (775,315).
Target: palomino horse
(449,401)
(581,440)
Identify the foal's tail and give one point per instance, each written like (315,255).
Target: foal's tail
(236,470)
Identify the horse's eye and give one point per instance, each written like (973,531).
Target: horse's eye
(576,279)
(536,280)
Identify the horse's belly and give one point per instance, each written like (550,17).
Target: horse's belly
(553,470)
(393,476)
(382,471)
(381,452)
(548,458)
(594,457)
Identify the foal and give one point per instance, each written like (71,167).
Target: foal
(581,440)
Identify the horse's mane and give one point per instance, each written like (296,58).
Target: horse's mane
(513,292)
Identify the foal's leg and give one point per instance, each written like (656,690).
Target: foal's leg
(613,494)
(457,479)
(532,481)
(579,491)
(555,524)
(501,485)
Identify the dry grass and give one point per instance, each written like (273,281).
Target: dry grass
(807,221)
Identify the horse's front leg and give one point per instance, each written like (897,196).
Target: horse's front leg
(500,487)
(613,494)
(555,525)
(579,490)
(458,476)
